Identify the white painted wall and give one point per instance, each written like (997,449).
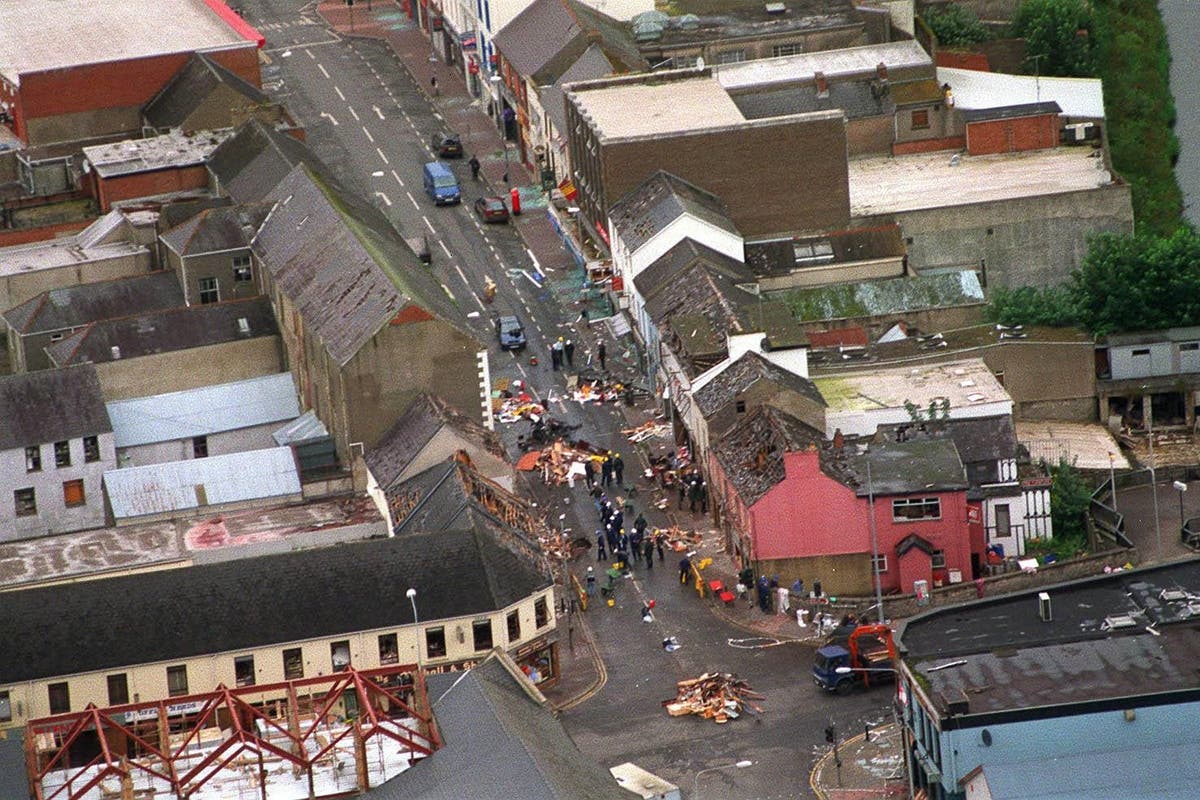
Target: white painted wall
(53,515)
(257,437)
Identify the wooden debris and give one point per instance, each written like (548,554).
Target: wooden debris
(646,430)
(678,539)
(719,696)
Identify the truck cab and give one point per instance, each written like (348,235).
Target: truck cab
(868,657)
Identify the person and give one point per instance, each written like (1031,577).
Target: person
(434,84)
(589,472)
(694,493)
(798,587)
(591,582)
(703,497)
(639,524)
(685,567)
(618,466)
(556,354)
(605,470)
(817,589)
(474,165)
(764,593)
(569,352)
(601,352)
(648,549)
(683,487)
(601,554)
(660,539)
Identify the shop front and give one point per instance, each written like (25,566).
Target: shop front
(537,659)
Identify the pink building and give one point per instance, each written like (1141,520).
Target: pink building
(797,506)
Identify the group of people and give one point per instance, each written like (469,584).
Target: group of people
(693,489)
(562,354)
(772,596)
(611,468)
(627,548)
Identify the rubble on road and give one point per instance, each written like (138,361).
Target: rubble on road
(678,539)
(719,696)
(561,462)
(646,430)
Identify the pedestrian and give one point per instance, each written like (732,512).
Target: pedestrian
(682,491)
(635,545)
(610,533)
(639,524)
(703,497)
(434,84)
(648,549)
(817,589)
(589,472)
(764,593)
(601,352)
(556,354)
(605,470)
(685,567)
(601,554)
(798,587)
(694,494)
(618,519)
(659,540)
(569,352)
(474,165)
(591,582)
(618,465)
(623,550)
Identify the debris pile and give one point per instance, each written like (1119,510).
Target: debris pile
(646,430)
(560,463)
(719,696)
(678,539)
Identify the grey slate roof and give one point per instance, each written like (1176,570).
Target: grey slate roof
(854,98)
(978,439)
(1011,112)
(216,229)
(254,602)
(72,306)
(51,405)
(423,418)
(248,165)
(742,374)
(692,277)
(499,740)
(589,66)
(912,467)
(190,86)
(548,36)
(164,331)
(767,432)
(658,201)
(342,264)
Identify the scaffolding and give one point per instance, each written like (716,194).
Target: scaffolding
(309,738)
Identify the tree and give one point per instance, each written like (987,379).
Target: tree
(1070,497)
(1130,283)
(955,25)
(1059,37)
(1052,306)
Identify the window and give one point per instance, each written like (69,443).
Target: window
(339,654)
(5,708)
(33,458)
(118,689)
(731,56)
(878,564)
(938,559)
(62,454)
(1003,520)
(200,447)
(1188,346)
(57,337)
(60,698)
(786,50)
(739,406)
(481,629)
(73,494)
(293,664)
(91,449)
(209,293)
(389,650)
(243,670)
(25,502)
(514,626)
(541,616)
(916,508)
(241,269)
(435,642)
(920,119)
(177,680)
(1138,353)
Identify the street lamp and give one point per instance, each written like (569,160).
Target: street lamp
(412,598)
(895,718)
(874,541)
(1112,479)
(1148,416)
(736,765)
(1180,487)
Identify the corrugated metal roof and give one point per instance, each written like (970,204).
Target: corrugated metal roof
(203,411)
(301,429)
(176,485)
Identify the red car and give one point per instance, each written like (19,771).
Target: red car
(491,209)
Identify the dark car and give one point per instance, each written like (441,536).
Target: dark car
(510,333)
(447,145)
(491,209)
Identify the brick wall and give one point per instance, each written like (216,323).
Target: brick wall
(145,184)
(1012,135)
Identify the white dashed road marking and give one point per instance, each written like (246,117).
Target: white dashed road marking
(322,68)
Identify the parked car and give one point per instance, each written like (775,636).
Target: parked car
(510,333)
(491,209)
(447,145)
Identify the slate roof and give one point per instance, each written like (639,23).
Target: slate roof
(256,602)
(203,411)
(423,418)
(497,732)
(854,98)
(51,405)
(164,331)
(751,453)
(733,19)
(190,86)
(785,256)
(248,165)
(912,467)
(659,201)
(1011,112)
(889,296)
(216,229)
(590,65)
(548,36)
(178,212)
(744,373)
(978,439)
(72,306)
(343,266)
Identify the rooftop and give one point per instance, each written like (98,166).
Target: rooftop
(1078,97)
(794,254)
(165,331)
(978,439)
(751,453)
(834,64)
(168,151)
(668,102)
(1099,636)
(37,36)
(708,20)
(51,405)
(995,113)
(893,185)
(191,86)
(204,411)
(880,297)
(963,383)
(1087,445)
(199,482)
(216,230)
(458,573)
(251,163)
(545,38)
(660,200)
(103,239)
(740,375)
(72,306)
(922,465)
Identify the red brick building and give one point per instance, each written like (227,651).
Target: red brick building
(1012,129)
(78,69)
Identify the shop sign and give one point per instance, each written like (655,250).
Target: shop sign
(459,666)
(174,710)
(536,644)
(469,43)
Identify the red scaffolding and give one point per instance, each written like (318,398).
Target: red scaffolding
(181,744)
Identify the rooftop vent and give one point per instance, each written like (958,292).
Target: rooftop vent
(1170,595)
(116,353)
(243,326)
(688,22)
(775,8)
(1119,621)
(1044,607)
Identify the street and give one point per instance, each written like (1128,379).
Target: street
(371,123)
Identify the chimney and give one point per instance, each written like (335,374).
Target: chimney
(116,353)
(822,84)
(881,71)
(839,440)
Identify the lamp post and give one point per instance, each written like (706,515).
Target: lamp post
(1180,487)
(874,541)
(895,719)
(412,598)
(736,765)
(1112,480)
(1148,414)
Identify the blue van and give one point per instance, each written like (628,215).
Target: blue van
(440,184)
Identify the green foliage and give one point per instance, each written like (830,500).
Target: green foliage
(1133,59)
(1059,37)
(1052,306)
(1070,497)
(1130,283)
(955,25)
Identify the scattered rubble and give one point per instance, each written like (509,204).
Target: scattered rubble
(719,696)
(647,430)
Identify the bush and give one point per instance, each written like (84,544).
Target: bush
(1052,306)
(1070,497)
(955,26)
(1059,37)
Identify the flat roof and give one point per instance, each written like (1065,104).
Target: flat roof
(965,383)
(36,35)
(832,63)
(893,185)
(1078,97)
(174,149)
(64,252)
(663,107)
(1087,445)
